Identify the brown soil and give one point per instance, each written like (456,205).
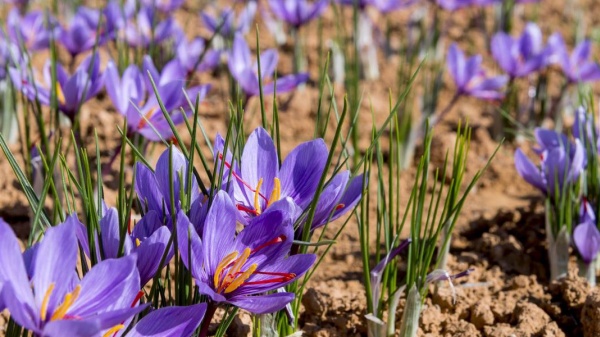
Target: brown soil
(500,233)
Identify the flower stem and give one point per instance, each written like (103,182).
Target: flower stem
(210,312)
(436,119)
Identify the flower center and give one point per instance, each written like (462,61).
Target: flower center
(229,275)
(275,193)
(146,117)
(233,278)
(62,309)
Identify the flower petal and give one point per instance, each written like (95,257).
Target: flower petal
(170,322)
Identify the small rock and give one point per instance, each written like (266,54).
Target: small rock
(313,303)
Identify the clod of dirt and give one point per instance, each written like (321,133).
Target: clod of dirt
(481,315)
(552,330)
(590,316)
(313,304)
(530,319)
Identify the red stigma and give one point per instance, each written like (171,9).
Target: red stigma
(137,298)
(276,240)
(281,277)
(246,209)
(339,206)
(238,178)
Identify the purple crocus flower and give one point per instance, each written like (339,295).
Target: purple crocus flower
(72,91)
(170,87)
(32,31)
(260,182)
(165,6)
(521,56)
(189,52)
(298,12)
(453,5)
(561,162)
(148,29)
(383,6)
(52,301)
(225,22)
(128,92)
(577,67)
(246,72)
(83,32)
(241,269)
(470,79)
(134,97)
(153,188)
(586,235)
(148,240)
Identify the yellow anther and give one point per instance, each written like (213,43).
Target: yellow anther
(44,309)
(256,197)
(234,270)
(113,330)
(224,263)
(241,279)
(276,193)
(60,95)
(61,311)
(137,242)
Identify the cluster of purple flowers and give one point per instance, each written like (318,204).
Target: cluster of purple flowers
(245,268)
(520,57)
(562,163)
(152,24)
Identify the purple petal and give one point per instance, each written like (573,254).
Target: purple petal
(74,328)
(110,285)
(150,253)
(502,45)
(111,235)
(170,322)
(529,171)
(587,240)
(301,171)
(190,246)
(259,161)
(55,263)
(268,63)
(219,230)
(262,304)
(146,187)
(288,83)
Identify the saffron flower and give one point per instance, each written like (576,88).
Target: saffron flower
(297,12)
(165,6)
(562,162)
(225,22)
(577,67)
(149,29)
(260,182)
(52,301)
(134,97)
(148,240)
(71,91)
(470,79)
(81,34)
(586,235)
(242,269)
(33,30)
(383,6)
(189,52)
(153,188)
(246,72)
(521,56)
